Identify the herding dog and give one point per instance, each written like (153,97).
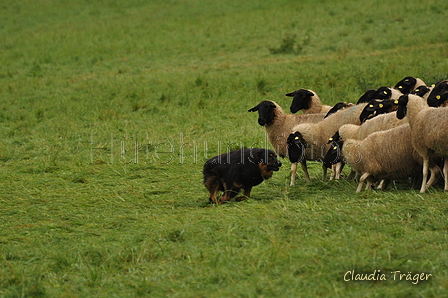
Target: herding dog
(240,169)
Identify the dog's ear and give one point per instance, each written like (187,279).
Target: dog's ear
(254,109)
(256,155)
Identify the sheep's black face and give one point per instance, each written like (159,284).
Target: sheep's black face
(366,97)
(386,106)
(333,155)
(421,91)
(369,111)
(266,113)
(377,107)
(336,137)
(301,100)
(382,93)
(296,147)
(406,85)
(438,100)
(336,107)
(402,106)
(438,94)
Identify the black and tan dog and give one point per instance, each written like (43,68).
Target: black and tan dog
(240,169)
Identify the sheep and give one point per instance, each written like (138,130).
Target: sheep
(339,106)
(311,138)
(377,107)
(423,91)
(409,84)
(383,155)
(380,93)
(307,101)
(360,132)
(438,95)
(406,85)
(428,133)
(278,124)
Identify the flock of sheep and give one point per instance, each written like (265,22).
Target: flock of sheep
(391,133)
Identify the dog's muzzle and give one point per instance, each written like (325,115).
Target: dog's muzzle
(274,166)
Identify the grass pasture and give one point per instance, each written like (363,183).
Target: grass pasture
(108,110)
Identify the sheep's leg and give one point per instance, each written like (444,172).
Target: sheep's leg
(434,176)
(425,174)
(383,184)
(293,173)
(369,185)
(324,172)
(333,172)
(305,171)
(339,167)
(380,186)
(361,181)
(445,173)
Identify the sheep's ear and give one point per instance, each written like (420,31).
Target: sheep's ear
(309,93)
(336,137)
(254,109)
(402,103)
(290,94)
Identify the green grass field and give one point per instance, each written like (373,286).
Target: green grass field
(109,109)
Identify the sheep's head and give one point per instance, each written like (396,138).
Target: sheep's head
(301,100)
(333,155)
(377,107)
(337,107)
(439,94)
(421,90)
(402,106)
(336,137)
(382,93)
(366,97)
(406,85)
(266,112)
(296,147)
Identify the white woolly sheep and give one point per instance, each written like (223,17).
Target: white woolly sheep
(313,137)
(378,123)
(278,124)
(380,93)
(307,101)
(438,95)
(383,155)
(429,133)
(339,106)
(409,84)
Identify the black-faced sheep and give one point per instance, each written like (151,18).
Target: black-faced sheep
(377,107)
(307,101)
(339,106)
(409,84)
(383,155)
(438,95)
(278,125)
(429,133)
(313,137)
(380,93)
